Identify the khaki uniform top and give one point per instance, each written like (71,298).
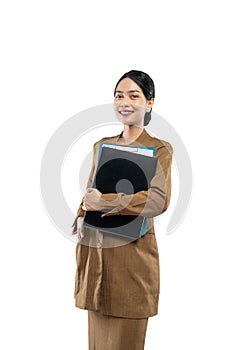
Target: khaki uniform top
(124,280)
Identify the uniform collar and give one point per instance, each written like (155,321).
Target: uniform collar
(139,139)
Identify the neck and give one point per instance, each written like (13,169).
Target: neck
(131,132)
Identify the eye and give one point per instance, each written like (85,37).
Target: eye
(134,96)
(118,96)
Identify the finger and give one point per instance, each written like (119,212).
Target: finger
(89,189)
(82,229)
(84,204)
(88,204)
(89,207)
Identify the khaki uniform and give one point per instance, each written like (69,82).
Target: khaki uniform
(124,280)
(115,333)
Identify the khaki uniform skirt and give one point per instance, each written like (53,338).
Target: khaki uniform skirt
(115,333)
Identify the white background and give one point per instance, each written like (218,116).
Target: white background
(61,57)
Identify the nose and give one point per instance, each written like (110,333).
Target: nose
(123,104)
(125,101)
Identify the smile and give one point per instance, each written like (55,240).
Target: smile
(125,113)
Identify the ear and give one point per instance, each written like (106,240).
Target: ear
(150,104)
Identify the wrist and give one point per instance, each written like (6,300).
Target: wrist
(110,200)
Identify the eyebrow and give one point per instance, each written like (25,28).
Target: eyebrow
(128,91)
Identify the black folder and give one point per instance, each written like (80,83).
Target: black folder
(120,171)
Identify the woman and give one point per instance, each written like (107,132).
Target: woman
(119,286)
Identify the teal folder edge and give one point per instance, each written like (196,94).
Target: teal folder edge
(143,229)
(114,144)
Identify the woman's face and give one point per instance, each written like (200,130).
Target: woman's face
(130,103)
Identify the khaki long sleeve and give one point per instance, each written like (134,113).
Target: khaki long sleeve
(150,203)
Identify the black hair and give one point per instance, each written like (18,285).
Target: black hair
(144,81)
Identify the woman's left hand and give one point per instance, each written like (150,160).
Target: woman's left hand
(92,199)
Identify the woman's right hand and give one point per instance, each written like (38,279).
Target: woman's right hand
(87,207)
(80,227)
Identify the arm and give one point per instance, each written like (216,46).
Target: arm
(145,203)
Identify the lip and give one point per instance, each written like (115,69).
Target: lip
(125,112)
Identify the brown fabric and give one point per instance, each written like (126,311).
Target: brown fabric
(124,280)
(115,333)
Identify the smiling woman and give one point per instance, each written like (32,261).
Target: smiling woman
(119,285)
(134,97)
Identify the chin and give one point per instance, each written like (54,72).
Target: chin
(128,123)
